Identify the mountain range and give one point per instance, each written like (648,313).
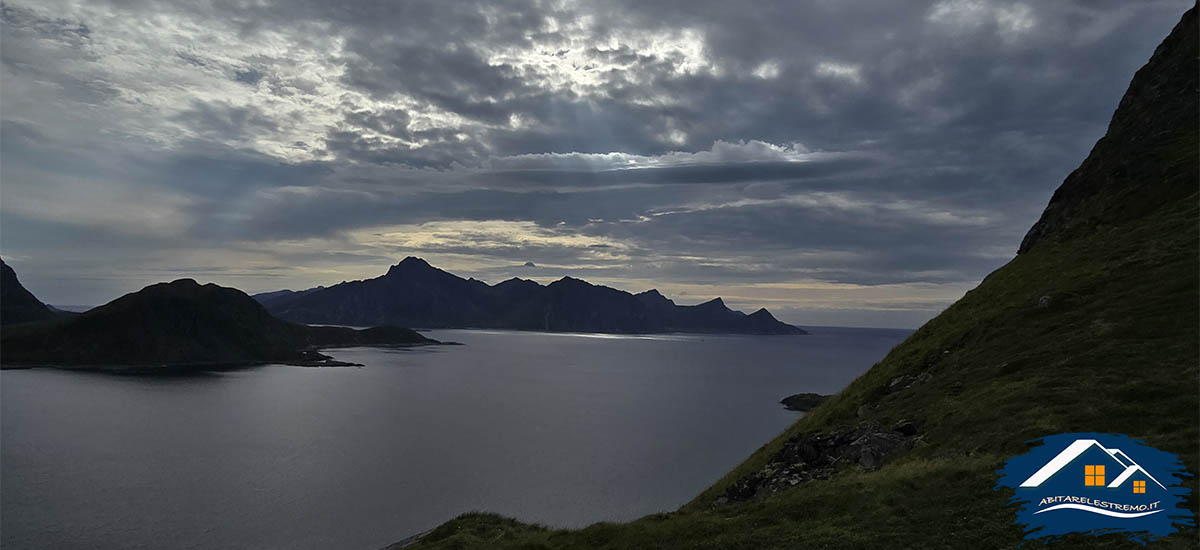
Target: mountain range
(415,294)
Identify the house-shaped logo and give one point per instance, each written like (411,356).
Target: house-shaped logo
(1096,475)
(1093,483)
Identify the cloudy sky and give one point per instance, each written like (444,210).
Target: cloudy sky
(853,163)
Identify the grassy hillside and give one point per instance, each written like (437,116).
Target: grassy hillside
(1094,327)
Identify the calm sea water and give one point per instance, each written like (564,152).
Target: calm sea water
(559,429)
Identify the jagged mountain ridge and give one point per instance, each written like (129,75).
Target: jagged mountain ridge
(414,293)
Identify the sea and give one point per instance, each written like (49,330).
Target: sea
(563,430)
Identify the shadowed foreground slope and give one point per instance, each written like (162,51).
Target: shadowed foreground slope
(18,305)
(1093,327)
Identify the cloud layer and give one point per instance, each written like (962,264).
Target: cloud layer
(837,161)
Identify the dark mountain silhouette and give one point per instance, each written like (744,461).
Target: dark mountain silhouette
(18,305)
(182,323)
(268,297)
(1142,159)
(574,305)
(414,293)
(411,293)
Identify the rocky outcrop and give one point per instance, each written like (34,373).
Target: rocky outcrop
(810,456)
(906,381)
(803,402)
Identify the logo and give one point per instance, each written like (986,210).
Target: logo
(1097,484)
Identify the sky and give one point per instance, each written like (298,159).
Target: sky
(838,162)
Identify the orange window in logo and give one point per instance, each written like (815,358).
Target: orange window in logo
(1139,486)
(1093,476)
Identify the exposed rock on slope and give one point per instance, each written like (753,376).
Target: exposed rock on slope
(810,456)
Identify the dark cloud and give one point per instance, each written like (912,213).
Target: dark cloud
(886,146)
(223,121)
(17,19)
(694,174)
(248,76)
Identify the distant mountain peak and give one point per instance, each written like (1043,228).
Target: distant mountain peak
(654,299)
(518,280)
(569,280)
(763,314)
(182,287)
(413,261)
(715,302)
(410,264)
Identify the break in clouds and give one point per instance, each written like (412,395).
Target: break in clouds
(855,163)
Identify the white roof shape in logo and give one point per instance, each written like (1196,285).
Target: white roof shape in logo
(1077,448)
(1133,469)
(1121,457)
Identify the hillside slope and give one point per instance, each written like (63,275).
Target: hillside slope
(180,323)
(18,305)
(1092,327)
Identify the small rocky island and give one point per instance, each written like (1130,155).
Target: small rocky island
(183,324)
(803,402)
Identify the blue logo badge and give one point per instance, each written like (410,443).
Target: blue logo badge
(1096,484)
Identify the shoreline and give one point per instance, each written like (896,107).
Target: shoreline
(215,366)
